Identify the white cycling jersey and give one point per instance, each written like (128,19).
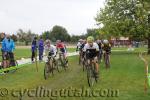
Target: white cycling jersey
(87,46)
(50,48)
(79,45)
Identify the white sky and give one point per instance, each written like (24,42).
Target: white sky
(41,15)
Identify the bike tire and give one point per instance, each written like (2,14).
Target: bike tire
(46,71)
(90,76)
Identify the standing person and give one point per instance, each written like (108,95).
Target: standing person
(41,48)
(10,47)
(3,50)
(34,49)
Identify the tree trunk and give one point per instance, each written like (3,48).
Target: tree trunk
(148,45)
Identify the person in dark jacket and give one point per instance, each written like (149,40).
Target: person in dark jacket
(41,48)
(34,48)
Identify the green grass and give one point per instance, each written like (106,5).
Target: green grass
(21,53)
(26,52)
(126,75)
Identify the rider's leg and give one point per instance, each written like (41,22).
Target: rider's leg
(96,64)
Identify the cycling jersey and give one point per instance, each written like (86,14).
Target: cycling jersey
(91,51)
(87,46)
(61,47)
(107,48)
(79,46)
(51,49)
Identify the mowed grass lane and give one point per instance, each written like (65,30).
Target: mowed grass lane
(126,74)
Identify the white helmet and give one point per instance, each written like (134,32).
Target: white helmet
(105,41)
(80,40)
(48,41)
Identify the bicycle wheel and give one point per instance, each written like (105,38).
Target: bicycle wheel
(46,71)
(90,76)
(63,63)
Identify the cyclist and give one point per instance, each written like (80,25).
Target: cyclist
(80,42)
(106,48)
(62,48)
(79,48)
(82,47)
(50,49)
(100,45)
(91,50)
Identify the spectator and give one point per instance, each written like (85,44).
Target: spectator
(10,47)
(34,49)
(3,50)
(41,48)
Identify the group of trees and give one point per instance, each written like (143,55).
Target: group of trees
(129,18)
(57,32)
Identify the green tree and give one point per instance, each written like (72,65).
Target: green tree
(125,18)
(59,32)
(26,37)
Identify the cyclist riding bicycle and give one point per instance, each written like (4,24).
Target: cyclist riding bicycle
(79,44)
(79,48)
(91,50)
(62,48)
(50,50)
(106,46)
(100,45)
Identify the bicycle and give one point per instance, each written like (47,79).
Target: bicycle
(50,66)
(91,73)
(107,59)
(62,61)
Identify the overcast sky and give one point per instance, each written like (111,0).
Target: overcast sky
(41,15)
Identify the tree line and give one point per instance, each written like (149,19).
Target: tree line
(57,32)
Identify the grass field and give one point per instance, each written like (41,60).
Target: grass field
(26,52)
(126,75)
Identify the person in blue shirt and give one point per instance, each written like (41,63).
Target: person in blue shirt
(10,47)
(41,48)
(3,50)
(34,48)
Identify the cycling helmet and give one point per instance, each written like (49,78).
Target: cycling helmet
(90,39)
(105,41)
